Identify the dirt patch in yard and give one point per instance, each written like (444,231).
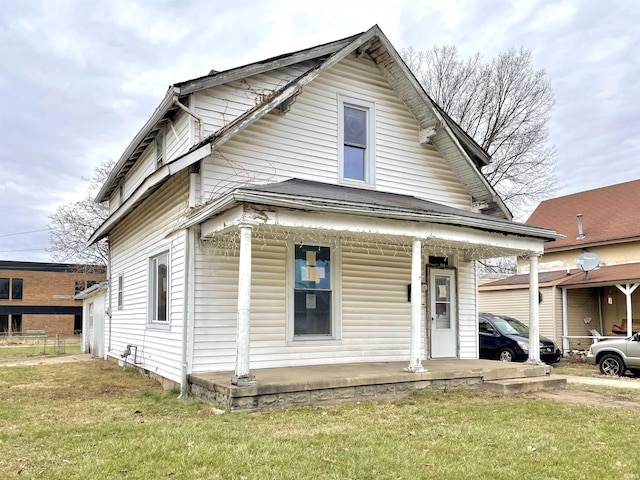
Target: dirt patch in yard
(582,396)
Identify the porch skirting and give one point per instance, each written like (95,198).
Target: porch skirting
(349,383)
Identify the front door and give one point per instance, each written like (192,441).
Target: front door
(442,310)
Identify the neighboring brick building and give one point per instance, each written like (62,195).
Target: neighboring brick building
(38,297)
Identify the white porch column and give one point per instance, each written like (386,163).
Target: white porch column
(242,376)
(534,311)
(415,362)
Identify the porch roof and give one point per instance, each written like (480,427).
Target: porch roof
(329,198)
(608,275)
(575,278)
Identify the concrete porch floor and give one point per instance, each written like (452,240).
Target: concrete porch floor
(352,382)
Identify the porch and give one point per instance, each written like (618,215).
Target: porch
(352,382)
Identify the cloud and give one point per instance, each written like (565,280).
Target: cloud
(81,77)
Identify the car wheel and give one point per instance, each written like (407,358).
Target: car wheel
(506,355)
(612,365)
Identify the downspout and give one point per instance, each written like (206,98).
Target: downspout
(184,108)
(186,310)
(109,293)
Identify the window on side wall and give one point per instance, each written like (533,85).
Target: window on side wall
(356,138)
(120,291)
(313,293)
(159,287)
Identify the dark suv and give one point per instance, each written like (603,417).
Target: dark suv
(507,339)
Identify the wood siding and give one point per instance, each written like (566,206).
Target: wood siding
(303,142)
(615,254)
(467,311)
(515,303)
(376,315)
(581,304)
(219,106)
(150,228)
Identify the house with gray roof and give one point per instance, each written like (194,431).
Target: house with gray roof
(316,208)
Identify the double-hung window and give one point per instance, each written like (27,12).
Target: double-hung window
(313,296)
(159,287)
(356,138)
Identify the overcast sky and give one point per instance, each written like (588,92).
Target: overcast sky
(79,78)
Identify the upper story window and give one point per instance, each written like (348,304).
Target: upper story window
(356,138)
(159,149)
(4,289)
(16,289)
(11,286)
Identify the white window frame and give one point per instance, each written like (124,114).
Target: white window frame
(153,322)
(120,298)
(336,289)
(370,151)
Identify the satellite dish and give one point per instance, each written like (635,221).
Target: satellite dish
(587,262)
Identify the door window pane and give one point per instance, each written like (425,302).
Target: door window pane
(442,302)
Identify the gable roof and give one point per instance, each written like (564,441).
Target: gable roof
(609,215)
(464,155)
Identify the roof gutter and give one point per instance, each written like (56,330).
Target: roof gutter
(334,206)
(154,180)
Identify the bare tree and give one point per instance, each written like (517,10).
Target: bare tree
(73,224)
(505,105)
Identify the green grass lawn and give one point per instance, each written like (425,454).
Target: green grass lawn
(94,420)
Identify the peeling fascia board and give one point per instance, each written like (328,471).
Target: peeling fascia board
(158,114)
(444,121)
(293,88)
(333,206)
(152,182)
(191,86)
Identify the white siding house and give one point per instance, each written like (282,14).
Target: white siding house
(314,208)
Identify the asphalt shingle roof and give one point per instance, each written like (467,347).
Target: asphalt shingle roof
(608,214)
